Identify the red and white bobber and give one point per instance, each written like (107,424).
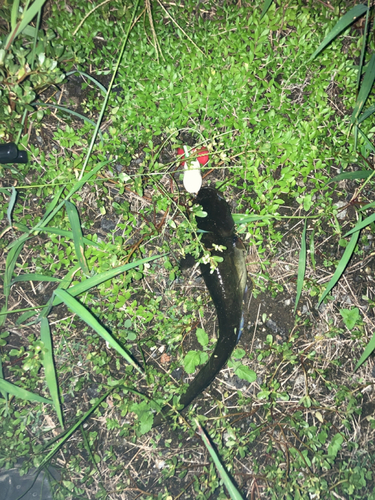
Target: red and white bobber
(192,168)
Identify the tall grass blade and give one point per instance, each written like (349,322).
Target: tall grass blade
(10,265)
(361,174)
(49,368)
(33,277)
(100,278)
(89,77)
(14,14)
(346,20)
(70,112)
(50,213)
(341,265)
(27,17)
(12,202)
(361,224)
(105,102)
(90,320)
(312,250)
(68,234)
(18,392)
(65,282)
(267,4)
(16,311)
(369,111)
(20,227)
(77,186)
(51,206)
(4,393)
(244,218)
(77,235)
(66,435)
(366,207)
(179,27)
(81,287)
(25,316)
(232,490)
(366,353)
(365,89)
(33,54)
(363,50)
(368,143)
(89,451)
(54,230)
(9,268)
(301,266)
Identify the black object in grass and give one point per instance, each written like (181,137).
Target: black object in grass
(9,153)
(226,284)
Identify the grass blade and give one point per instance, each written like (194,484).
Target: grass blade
(65,282)
(18,392)
(9,268)
(49,368)
(67,434)
(77,186)
(366,353)
(70,112)
(89,77)
(50,213)
(341,265)
(366,207)
(20,227)
(365,89)
(312,250)
(90,320)
(77,235)
(34,277)
(67,234)
(179,27)
(232,490)
(105,102)
(361,224)
(81,287)
(12,201)
(4,393)
(10,265)
(28,16)
(244,218)
(361,174)
(369,111)
(100,278)
(51,206)
(368,143)
(267,4)
(14,14)
(346,20)
(363,50)
(89,451)
(301,266)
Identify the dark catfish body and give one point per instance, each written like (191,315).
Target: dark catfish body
(226,284)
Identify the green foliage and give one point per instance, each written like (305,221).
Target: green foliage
(242,371)
(351,317)
(194,359)
(30,64)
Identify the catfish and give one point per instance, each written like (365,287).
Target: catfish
(226,284)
